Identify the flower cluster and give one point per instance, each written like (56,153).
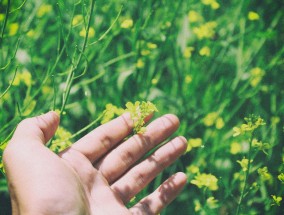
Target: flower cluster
(62,140)
(110,112)
(193,143)
(252,123)
(204,180)
(138,111)
(213,118)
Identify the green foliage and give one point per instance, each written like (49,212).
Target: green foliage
(211,62)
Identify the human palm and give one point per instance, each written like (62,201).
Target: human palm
(98,174)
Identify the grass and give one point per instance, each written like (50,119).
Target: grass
(212,63)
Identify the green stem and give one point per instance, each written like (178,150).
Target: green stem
(246,176)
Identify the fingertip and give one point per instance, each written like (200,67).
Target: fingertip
(181,177)
(173,118)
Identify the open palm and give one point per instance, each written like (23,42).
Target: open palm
(98,174)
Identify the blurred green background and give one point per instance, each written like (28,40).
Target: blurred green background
(211,62)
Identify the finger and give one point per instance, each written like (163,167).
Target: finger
(105,137)
(126,154)
(41,128)
(139,176)
(160,198)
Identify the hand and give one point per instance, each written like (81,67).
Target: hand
(98,174)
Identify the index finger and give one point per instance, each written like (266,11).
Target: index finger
(98,142)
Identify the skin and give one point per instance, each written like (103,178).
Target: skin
(98,174)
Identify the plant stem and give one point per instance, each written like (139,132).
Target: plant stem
(246,176)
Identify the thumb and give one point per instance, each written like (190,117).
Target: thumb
(41,127)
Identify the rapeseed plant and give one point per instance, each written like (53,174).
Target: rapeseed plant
(205,181)
(139,111)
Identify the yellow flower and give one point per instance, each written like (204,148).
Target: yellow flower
(13,29)
(46,90)
(77,19)
(27,78)
(219,123)
(264,174)
(188,52)
(154,81)
(256,76)
(24,77)
(253,122)
(140,110)
(275,120)
(193,169)
(244,164)
(140,63)
(62,140)
(110,112)
(281,177)
(212,202)
(31,33)
(276,200)
(43,9)
(2,17)
(206,30)
(197,205)
(152,45)
(260,145)
(214,5)
(253,16)
(127,23)
(204,180)
(205,51)
(235,148)
(91,33)
(188,79)
(210,119)
(145,52)
(193,143)
(193,16)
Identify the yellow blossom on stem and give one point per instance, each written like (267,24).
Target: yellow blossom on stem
(110,112)
(264,174)
(193,143)
(253,16)
(212,202)
(77,19)
(256,75)
(214,5)
(188,79)
(219,123)
(204,180)
(192,169)
(244,164)
(253,122)
(139,111)
(235,148)
(91,33)
(44,9)
(276,200)
(62,140)
(281,177)
(127,23)
(152,45)
(206,30)
(188,51)
(13,29)
(2,17)
(193,16)
(205,51)
(140,63)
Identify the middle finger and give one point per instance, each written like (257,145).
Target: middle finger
(118,161)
